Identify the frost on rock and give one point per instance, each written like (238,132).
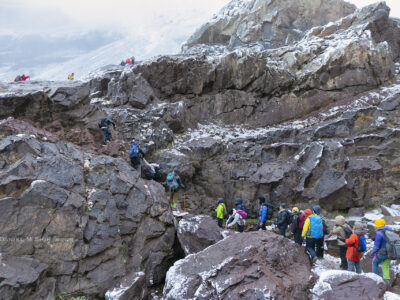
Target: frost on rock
(391,296)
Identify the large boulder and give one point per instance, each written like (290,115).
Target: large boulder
(336,284)
(196,233)
(91,219)
(256,265)
(132,286)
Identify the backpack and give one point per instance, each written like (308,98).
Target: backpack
(316,230)
(362,244)
(347,231)
(302,219)
(245,209)
(134,150)
(171,181)
(288,217)
(102,123)
(392,244)
(270,211)
(242,213)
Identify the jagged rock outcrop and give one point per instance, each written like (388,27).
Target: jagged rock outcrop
(256,265)
(132,286)
(196,233)
(24,278)
(271,23)
(91,219)
(342,284)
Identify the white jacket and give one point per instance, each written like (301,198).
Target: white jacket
(235,218)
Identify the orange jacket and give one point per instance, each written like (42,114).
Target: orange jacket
(351,253)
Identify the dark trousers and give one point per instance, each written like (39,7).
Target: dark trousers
(319,243)
(220,222)
(297,237)
(106,135)
(343,264)
(258,227)
(282,230)
(239,228)
(310,246)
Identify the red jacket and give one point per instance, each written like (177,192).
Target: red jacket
(24,78)
(351,253)
(128,61)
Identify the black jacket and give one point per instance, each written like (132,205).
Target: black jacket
(282,220)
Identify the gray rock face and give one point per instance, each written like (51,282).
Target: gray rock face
(91,219)
(243,266)
(270,23)
(196,233)
(133,286)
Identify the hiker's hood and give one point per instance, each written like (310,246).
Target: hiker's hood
(340,220)
(239,201)
(220,200)
(317,209)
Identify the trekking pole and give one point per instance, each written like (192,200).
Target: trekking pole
(184,202)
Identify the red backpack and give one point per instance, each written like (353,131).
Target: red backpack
(302,219)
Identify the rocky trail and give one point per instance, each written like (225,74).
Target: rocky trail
(295,100)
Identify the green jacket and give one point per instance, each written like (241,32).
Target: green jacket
(220,210)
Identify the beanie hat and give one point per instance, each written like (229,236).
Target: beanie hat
(261,199)
(308,212)
(379,223)
(283,205)
(340,220)
(220,200)
(295,209)
(316,209)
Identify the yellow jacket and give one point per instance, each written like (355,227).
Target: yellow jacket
(307,227)
(220,210)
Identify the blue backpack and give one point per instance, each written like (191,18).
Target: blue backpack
(317,229)
(134,150)
(171,181)
(362,244)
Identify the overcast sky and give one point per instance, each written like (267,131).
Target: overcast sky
(134,15)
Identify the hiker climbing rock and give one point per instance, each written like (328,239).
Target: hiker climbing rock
(312,230)
(379,252)
(236,217)
(298,220)
(104,125)
(283,220)
(152,170)
(173,183)
(71,76)
(262,214)
(21,78)
(135,155)
(220,210)
(356,245)
(343,231)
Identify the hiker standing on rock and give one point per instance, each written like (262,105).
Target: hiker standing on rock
(220,210)
(343,231)
(298,220)
(312,230)
(104,125)
(262,214)
(379,251)
(174,183)
(356,245)
(319,242)
(236,217)
(283,220)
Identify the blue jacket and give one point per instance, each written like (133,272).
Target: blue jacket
(379,240)
(262,215)
(239,203)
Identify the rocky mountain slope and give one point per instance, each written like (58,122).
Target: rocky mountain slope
(260,102)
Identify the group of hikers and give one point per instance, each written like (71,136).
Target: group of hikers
(306,225)
(311,226)
(128,61)
(20,78)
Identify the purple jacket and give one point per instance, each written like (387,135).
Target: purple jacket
(379,240)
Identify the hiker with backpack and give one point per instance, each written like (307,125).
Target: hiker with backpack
(298,220)
(312,231)
(104,125)
(319,242)
(173,183)
(220,210)
(283,220)
(236,216)
(135,155)
(71,76)
(380,251)
(343,231)
(356,245)
(262,214)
